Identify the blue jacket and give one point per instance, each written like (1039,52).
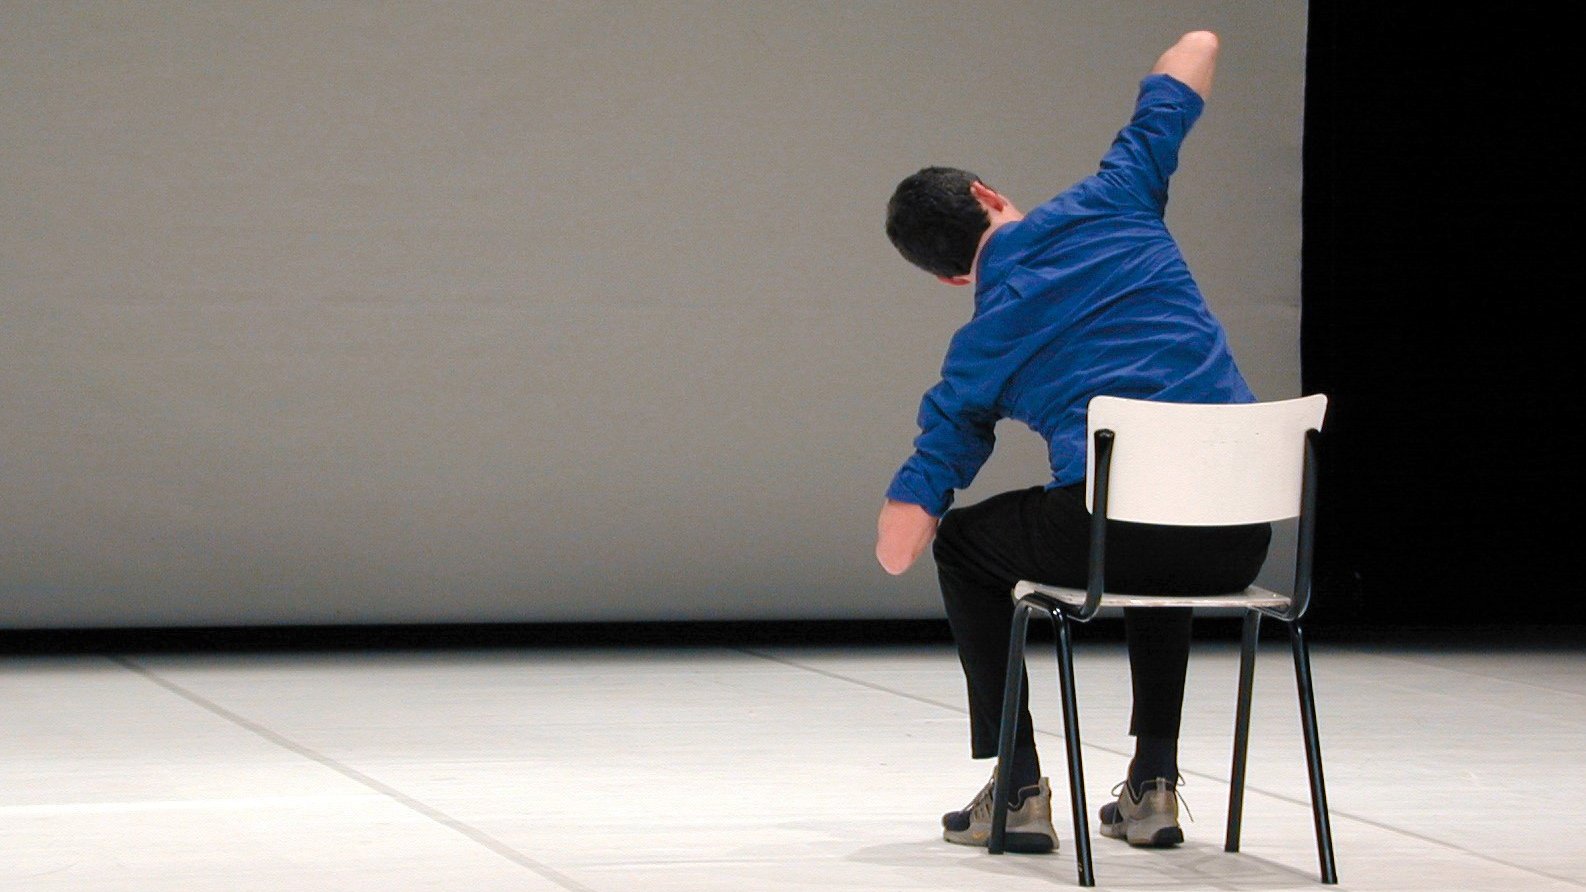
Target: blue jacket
(1087,295)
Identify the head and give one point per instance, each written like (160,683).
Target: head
(938,217)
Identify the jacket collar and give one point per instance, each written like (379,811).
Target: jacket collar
(997,258)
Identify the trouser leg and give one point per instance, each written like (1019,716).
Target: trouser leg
(980,552)
(1043,535)
(980,616)
(1159,643)
(1185,561)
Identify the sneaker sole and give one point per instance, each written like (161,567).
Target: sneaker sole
(1165,838)
(1162,838)
(1019,843)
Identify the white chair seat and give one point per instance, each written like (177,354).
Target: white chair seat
(1253,596)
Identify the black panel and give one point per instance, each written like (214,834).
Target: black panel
(1440,295)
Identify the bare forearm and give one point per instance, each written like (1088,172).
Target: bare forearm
(902,533)
(1192,60)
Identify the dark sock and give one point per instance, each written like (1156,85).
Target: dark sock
(1154,757)
(1026,772)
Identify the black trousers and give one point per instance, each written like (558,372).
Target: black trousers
(1043,535)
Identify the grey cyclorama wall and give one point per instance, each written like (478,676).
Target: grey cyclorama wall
(409,312)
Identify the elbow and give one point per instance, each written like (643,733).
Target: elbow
(895,564)
(894,569)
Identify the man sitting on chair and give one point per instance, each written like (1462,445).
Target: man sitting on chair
(1087,294)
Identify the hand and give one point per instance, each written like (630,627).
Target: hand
(902,532)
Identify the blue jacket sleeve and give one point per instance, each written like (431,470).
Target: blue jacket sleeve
(955,440)
(958,416)
(1145,153)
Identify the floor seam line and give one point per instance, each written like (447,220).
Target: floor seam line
(1202,775)
(428,811)
(1498,678)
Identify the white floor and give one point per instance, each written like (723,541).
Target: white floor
(775,768)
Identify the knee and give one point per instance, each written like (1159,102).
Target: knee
(949,537)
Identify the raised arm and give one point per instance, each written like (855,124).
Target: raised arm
(1191,61)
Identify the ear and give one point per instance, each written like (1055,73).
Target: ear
(988,197)
(953,280)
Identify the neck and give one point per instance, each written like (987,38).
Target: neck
(999,219)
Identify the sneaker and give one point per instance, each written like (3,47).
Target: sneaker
(1029,828)
(1149,819)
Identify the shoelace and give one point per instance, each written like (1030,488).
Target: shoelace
(1183,803)
(980,806)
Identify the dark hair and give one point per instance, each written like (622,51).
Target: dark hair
(935,223)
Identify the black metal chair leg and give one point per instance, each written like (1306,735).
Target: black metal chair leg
(1076,770)
(1011,690)
(1236,781)
(1313,753)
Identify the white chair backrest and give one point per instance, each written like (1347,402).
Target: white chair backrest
(1202,465)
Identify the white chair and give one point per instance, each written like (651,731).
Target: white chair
(1185,465)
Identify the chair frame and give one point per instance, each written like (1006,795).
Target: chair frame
(1063,615)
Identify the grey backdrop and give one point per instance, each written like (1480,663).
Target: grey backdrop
(406,312)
